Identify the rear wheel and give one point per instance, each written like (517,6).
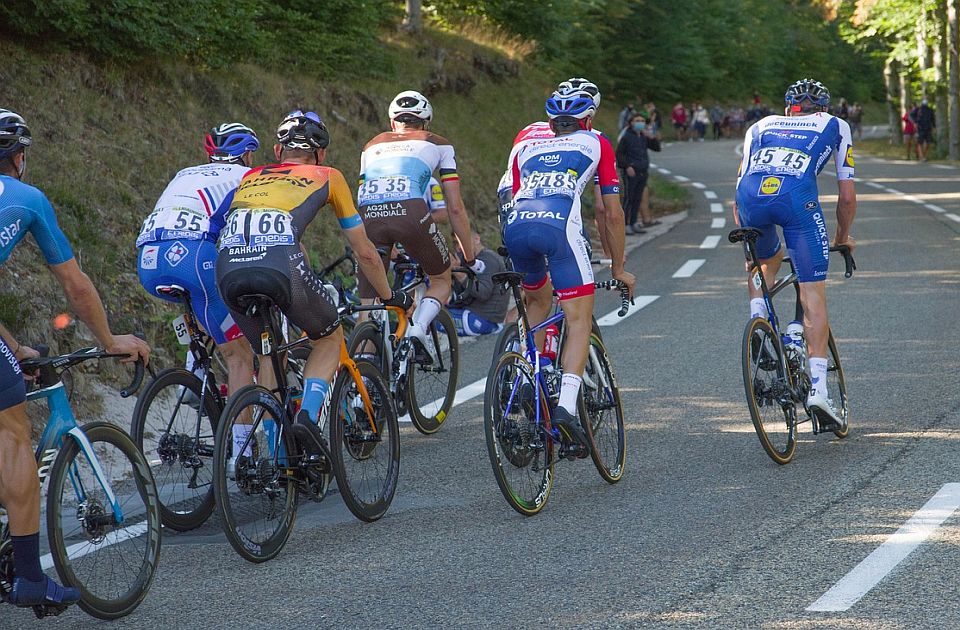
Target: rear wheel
(837,386)
(366,343)
(766,381)
(601,413)
(432,385)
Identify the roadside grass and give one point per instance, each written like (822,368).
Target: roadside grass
(882,148)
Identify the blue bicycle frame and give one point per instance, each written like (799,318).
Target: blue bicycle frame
(532,354)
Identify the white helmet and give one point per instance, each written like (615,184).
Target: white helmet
(580,84)
(413,103)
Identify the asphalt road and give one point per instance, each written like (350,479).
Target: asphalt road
(704,530)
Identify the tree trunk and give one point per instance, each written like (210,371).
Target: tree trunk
(890,79)
(953,95)
(941,57)
(413,21)
(923,53)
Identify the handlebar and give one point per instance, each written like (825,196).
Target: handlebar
(625,299)
(844,250)
(50,368)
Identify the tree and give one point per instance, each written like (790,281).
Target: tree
(413,20)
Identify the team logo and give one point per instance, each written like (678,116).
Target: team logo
(512,216)
(436,192)
(770,185)
(148,257)
(432,229)
(810,205)
(176,253)
(549,160)
(849,160)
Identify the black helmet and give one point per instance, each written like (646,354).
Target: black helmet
(807,90)
(14,133)
(304,131)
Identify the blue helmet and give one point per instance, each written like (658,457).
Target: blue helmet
(807,90)
(577,105)
(14,133)
(229,141)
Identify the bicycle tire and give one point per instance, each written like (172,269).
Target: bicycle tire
(87,537)
(599,395)
(431,388)
(176,457)
(837,385)
(766,378)
(358,454)
(507,341)
(363,336)
(515,444)
(259,480)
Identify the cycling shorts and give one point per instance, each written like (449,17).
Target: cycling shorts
(410,224)
(13,391)
(189,264)
(469,324)
(282,274)
(535,244)
(796,209)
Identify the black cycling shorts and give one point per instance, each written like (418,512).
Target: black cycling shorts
(13,391)
(282,274)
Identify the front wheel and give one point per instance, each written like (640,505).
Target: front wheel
(432,385)
(601,413)
(366,459)
(837,386)
(103,520)
(766,380)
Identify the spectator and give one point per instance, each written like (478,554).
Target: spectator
(737,118)
(716,117)
(654,120)
(625,114)
(843,112)
(926,123)
(679,118)
(856,117)
(478,306)
(634,161)
(700,120)
(910,132)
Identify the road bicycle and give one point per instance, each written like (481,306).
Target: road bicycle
(521,391)
(102,510)
(421,386)
(775,380)
(256,484)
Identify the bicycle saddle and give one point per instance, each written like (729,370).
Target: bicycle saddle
(744,234)
(510,278)
(253,303)
(173,290)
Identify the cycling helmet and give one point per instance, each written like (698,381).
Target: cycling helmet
(228,141)
(14,133)
(809,90)
(578,105)
(581,85)
(304,131)
(411,103)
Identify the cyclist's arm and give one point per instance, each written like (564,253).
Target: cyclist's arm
(459,220)
(846,211)
(20,351)
(614,223)
(600,215)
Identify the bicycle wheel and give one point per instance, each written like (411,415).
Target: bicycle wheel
(507,341)
(519,452)
(255,493)
(366,464)
(837,386)
(108,551)
(766,380)
(601,413)
(176,438)
(431,386)
(366,343)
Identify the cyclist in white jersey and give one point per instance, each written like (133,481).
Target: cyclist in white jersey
(777,185)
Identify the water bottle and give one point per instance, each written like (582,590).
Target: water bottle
(551,343)
(793,340)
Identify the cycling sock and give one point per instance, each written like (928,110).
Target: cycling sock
(569,388)
(26,557)
(426,311)
(818,375)
(314,391)
(240,433)
(758,308)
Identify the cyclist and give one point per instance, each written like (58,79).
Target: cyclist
(177,242)
(777,185)
(395,171)
(545,225)
(25,209)
(261,251)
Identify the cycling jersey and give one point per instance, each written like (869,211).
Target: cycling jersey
(189,200)
(24,209)
(777,185)
(434,197)
(13,390)
(549,175)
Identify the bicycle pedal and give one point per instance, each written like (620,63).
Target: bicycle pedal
(49,610)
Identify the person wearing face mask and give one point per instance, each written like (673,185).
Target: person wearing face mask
(634,162)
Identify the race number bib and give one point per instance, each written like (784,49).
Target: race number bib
(381,189)
(257,228)
(550,184)
(180,327)
(779,160)
(170,223)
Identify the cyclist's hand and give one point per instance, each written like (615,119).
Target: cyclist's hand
(400,299)
(852,244)
(627,278)
(26,352)
(134,347)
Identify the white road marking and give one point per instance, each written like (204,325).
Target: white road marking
(639,301)
(652,165)
(709,194)
(942,166)
(83,548)
(875,185)
(681,178)
(710,242)
(953,217)
(663,171)
(718,223)
(930,206)
(913,199)
(468,392)
(699,185)
(689,268)
(887,556)
(716,207)
(893,191)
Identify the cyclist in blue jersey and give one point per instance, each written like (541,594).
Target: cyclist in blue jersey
(777,185)
(24,209)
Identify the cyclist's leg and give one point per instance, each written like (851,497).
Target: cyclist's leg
(423,240)
(758,212)
(528,248)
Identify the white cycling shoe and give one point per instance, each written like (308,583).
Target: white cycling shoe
(826,413)
(423,347)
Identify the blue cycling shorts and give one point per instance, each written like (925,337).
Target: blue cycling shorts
(796,209)
(191,265)
(13,391)
(535,244)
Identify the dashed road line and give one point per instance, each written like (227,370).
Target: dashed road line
(709,194)
(689,268)
(639,301)
(710,242)
(895,549)
(893,191)
(716,208)
(953,217)
(717,223)
(942,166)
(913,199)
(681,178)
(930,206)
(698,185)
(875,185)
(468,392)
(663,171)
